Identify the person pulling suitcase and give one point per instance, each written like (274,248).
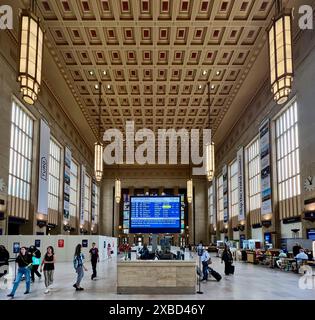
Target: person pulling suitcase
(206,260)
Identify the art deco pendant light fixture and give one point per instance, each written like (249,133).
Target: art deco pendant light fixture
(280,54)
(210,161)
(189,182)
(117,190)
(31,54)
(189,190)
(98,146)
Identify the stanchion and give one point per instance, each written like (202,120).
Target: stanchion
(200,252)
(199,281)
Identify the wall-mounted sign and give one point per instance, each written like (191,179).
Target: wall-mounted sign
(265,165)
(2,185)
(241,197)
(16,247)
(85,243)
(225,194)
(66,190)
(93,198)
(82,195)
(37,243)
(214,195)
(61,243)
(42,206)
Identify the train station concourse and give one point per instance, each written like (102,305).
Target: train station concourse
(157,150)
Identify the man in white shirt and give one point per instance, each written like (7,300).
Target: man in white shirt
(206,260)
(301,256)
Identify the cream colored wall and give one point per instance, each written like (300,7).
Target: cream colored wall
(48,107)
(262,106)
(141,177)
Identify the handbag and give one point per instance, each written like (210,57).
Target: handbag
(35,261)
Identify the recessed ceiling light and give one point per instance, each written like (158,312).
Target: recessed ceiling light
(91,72)
(108,86)
(104,72)
(204,72)
(200,87)
(213,86)
(96,86)
(218,73)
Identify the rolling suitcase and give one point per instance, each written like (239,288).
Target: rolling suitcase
(215,274)
(232,269)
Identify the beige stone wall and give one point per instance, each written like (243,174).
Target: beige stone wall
(262,106)
(49,106)
(154,177)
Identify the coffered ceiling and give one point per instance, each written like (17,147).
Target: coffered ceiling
(155,57)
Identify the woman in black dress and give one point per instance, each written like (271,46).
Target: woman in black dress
(227,258)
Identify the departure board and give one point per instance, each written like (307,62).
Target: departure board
(155,214)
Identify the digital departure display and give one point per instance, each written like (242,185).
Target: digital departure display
(155,214)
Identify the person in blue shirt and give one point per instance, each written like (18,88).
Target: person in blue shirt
(206,260)
(301,256)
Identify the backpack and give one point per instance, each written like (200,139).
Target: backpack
(76,262)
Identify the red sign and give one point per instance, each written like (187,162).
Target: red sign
(61,243)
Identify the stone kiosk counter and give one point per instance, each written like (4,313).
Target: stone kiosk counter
(156,277)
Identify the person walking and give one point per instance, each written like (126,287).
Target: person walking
(109,251)
(227,258)
(49,268)
(4,261)
(296,249)
(79,267)
(24,261)
(94,259)
(206,260)
(36,255)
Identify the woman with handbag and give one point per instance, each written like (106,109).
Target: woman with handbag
(24,261)
(79,267)
(49,268)
(36,255)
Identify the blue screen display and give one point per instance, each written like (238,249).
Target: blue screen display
(311,234)
(268,237)
(155,214)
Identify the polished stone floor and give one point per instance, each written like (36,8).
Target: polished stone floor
(248,283)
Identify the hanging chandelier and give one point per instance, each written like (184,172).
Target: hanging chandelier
(210,161)
(189,190)
(117,190)
(280,54)
(31,54)
(98,146)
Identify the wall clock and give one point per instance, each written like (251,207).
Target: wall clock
(309,183)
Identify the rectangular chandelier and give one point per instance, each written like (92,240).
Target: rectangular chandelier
(189,190)
(117,190)
(210,161)
(31,53)
(98,161)
(280,56)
